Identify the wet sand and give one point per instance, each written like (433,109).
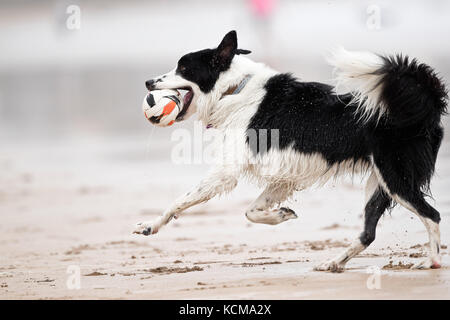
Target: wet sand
(73,206)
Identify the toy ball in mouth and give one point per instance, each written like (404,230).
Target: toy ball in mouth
(161,107)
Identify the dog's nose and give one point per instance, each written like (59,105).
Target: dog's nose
(150,84)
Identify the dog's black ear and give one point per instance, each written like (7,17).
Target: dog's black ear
(243,51)
(226,50)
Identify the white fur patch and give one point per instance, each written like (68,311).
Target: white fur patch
(296,169)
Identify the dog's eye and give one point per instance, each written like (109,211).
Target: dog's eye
(182,68)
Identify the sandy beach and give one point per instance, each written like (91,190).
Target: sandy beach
(69,208)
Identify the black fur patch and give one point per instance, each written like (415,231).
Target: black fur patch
(374,209)
(406,146)
(198,68)
(204,67)
(413,92)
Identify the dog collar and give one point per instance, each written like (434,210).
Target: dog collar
(234,90)
(242,84)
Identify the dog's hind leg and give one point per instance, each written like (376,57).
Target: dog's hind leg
(260,211)
(220,181)
(430,218)
(377,201)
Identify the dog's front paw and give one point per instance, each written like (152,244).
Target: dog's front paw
(427,264)
(331,265)
(144,228)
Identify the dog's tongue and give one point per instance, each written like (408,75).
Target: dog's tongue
(187,98)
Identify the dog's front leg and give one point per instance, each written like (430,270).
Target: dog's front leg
(216,183)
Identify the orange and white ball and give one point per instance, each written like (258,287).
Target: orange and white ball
(161,107)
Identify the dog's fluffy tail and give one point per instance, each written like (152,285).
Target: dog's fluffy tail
(405,91)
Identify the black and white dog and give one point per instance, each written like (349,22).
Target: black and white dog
(388,125)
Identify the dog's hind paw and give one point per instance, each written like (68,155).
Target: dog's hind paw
(331,266)
(287,214)
(426,264)
(144,229)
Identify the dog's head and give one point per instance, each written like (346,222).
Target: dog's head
(198,72)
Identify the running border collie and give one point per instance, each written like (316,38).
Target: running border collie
(387,125)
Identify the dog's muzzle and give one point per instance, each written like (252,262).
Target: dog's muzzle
(150,84)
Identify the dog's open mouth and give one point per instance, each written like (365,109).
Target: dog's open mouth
(188,95)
